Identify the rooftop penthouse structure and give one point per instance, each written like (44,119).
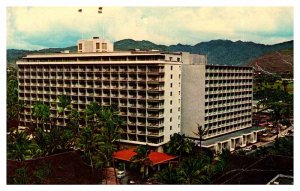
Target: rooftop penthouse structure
(157,93)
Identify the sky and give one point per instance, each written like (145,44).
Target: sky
(44,27)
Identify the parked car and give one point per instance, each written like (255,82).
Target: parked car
(130,181)
(253,147)
(247,149)
(121,174)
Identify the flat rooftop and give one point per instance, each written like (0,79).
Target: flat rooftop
(226,137)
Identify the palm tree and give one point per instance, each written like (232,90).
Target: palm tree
(168,175)
(285,83)
(18,146)
(141,160)
(64,102)
(195,170)
(41,112)
(89,142)
(201,133)
(179,145)
(92,114)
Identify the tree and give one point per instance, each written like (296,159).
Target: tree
(201,133)
(89,142)
(18,146)
(179,145)
(41,112)
(195,170)
(64,102)
(141,160)
(285,83)
(168,175)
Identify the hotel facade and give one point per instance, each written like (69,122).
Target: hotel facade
(157,93)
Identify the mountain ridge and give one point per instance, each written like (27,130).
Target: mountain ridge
(222,52)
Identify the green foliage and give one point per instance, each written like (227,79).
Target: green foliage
(64,102)
(223,52)
(21,176)
(197,170)
(179,145)
(168,175)
(43,172)
(141,159)
(53,141)
(19,147)
(283,146)
(41,112)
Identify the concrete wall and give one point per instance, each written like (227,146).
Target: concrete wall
(172,110)
(193,96)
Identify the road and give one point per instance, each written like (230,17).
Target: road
(271,142)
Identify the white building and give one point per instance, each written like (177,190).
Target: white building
(158,93)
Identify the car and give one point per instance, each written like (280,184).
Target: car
(247,149)
(253,147)
(121,174)
(130,181)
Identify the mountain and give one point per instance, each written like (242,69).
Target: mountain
(14,54)
(223,52)
(274,62)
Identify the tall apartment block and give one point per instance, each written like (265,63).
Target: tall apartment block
(219,99)
(158,94)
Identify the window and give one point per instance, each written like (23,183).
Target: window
(179,76)
(80,46)
(171,84)
(171,94)
(171,58)
(179,92)
(97,45)
(170,102)
(170,128)
(171,76)
(170,110)
(170,119)
(104,46)
(171,67)
(178,108)
(179,84)
(178,59)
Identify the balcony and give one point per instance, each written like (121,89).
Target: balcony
(155,115)
(156,134)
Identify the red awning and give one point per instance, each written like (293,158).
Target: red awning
(155,157)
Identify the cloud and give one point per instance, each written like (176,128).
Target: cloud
(40,27)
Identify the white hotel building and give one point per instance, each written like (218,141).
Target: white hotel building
(158,94)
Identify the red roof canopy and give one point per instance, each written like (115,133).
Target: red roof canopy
(155,157)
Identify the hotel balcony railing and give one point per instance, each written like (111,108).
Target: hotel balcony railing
(132,87)
(141,106)
(142,132)
(154,134)
(155,115)
(131,131)
(123,113)
(154,124)
(141,114)
(132,70)
(155,97)
(141,70)
(131,123)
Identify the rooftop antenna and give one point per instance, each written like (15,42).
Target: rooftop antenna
(102,28)
(80,11)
